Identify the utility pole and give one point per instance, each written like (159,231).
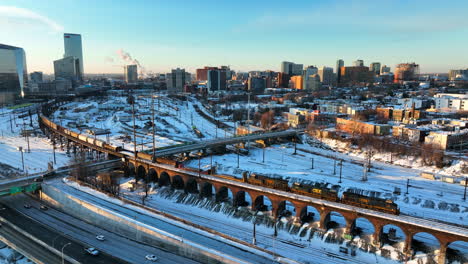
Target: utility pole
(312,160)
(134,132)
(341,169)
(263,155)
(238,158)
(53,150)
(11,124)
(466,183)
(408,185)
(154,128)
(199,165)
(334,167)
(295,146)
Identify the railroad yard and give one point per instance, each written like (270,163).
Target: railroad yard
(310,162)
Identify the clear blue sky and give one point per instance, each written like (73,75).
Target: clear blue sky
(246,34)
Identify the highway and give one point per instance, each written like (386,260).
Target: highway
(49,236)
(133,252)
(168,225)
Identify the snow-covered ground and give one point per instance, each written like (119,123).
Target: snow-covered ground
(174,121)
(9,255)
(41,151)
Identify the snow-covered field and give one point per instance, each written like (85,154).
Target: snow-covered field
(41,151)
(8,255)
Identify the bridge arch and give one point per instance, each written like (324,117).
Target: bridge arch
(152,175)
(177,182)
(332,220)
(425,243)
(457,251)
(164,179)
(262,203)
(309,214)
(207,190)
(191,186)
(131,169)
(285,209)
(362,226)
(242,198)
(392,235)
(141,173)
(224,194)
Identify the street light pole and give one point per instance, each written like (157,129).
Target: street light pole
(466,183)
(334,167)
(199,165)
(341,169)
(408,185)
(63,261)
(20,149)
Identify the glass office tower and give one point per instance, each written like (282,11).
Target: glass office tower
(13,73)
(73,48)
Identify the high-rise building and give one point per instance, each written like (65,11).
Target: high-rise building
(257,85)
(326,75)
(176,80)
(202,74)
(375,67)
(454,73)
(339,64)
(406,72)
(358,63)
(310,70)
(291,68)
(283,80)
(13,73)
(312,83)
(356,74)
(74,48)
(131,73)
(216,80)
(297,82)
(67,68)
(384,69)
(36,77)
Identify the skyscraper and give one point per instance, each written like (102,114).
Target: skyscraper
(326,75)
(216,80)
(339,64)
(131,73)
(257,85)
(291,68)
(375,67)
(384,69)
(73,48)
(67,68)
(13,73)
(358,63)
(406,72)
(176,80)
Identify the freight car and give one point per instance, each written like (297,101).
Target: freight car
(320,193)
(377,204)
(262,180)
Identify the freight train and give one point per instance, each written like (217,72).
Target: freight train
(81,137)
(373,203)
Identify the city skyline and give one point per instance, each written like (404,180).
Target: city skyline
(258,36)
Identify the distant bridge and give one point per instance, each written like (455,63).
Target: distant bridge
(225,141)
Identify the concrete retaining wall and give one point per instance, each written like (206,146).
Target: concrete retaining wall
(128,227)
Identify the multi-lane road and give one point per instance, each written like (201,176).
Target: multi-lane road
(128,251)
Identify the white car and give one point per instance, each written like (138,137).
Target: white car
(151,257)
(92,251)
(100,237)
